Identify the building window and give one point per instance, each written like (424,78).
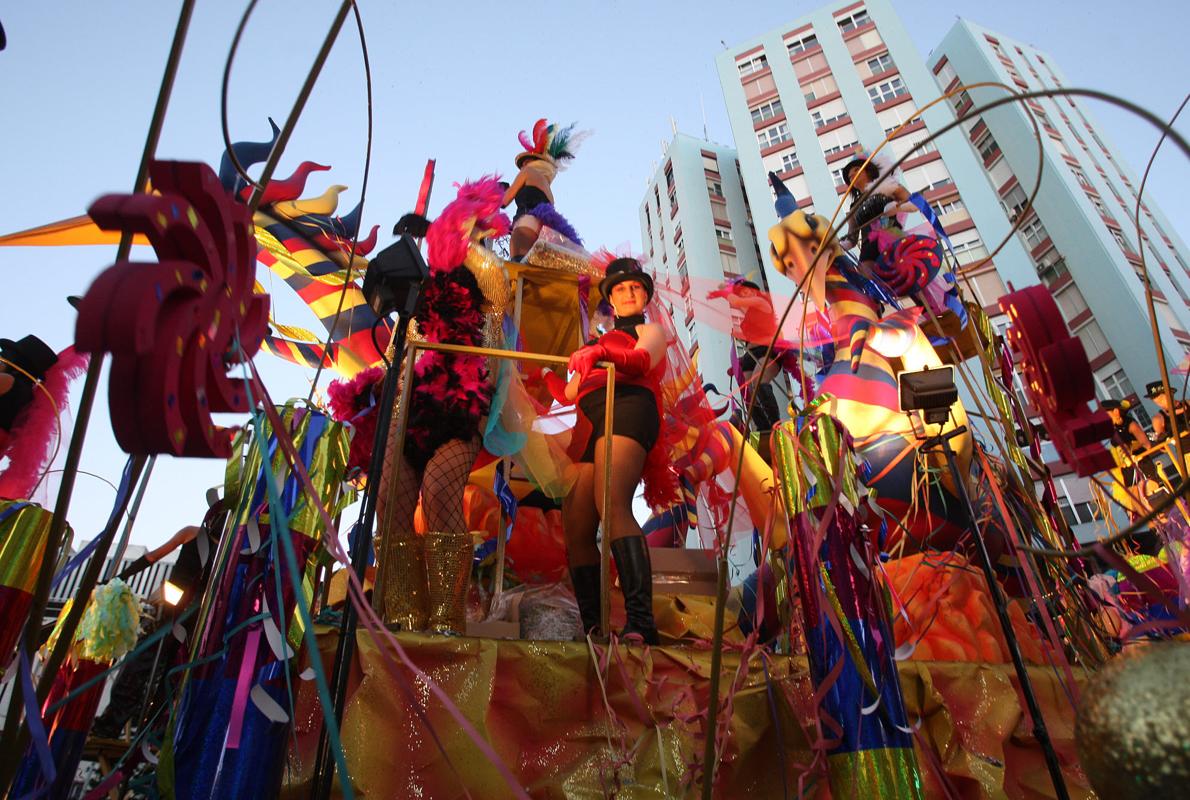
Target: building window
(754,64)
(987,146)
(767,111)
(837,140)
(723,234)
(830,112)
(820,88)
(1114,383)
(968,247)
(961,101)
(880,64)
(1095,201)
(864,43)
(1000,172)
(887,90)
(932,175)
(802,45)
(909,142)
(1050,266)
(710,163)
(837,176)
(1120,240)
(1014,201)
(1070,302)
(815,62)
(856,20)
(789,161)
(1094,342)
(946,75)
(759,87)
(988,287)
(1033,232)
(730,262)
(715,188)
(892,118)
(775,135)
(951,209)
(1081,177)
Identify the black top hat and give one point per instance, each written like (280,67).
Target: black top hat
(625,269)
(30,354)
(1154,389)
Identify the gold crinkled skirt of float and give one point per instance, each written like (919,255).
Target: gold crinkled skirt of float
(541,707)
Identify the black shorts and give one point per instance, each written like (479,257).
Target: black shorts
(529,198)
(635,416)
(753,355)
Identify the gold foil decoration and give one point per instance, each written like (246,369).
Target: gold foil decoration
(403,583)
(1133,728)
(489,272)
(448,571)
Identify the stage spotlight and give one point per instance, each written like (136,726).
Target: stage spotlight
(394,278)
(931,391)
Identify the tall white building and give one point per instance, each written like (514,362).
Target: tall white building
(697,229)
(1079,233)
(805,97)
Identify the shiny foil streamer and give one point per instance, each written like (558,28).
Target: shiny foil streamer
(448,570)
(403,584)
(67,727)
(873,755)
(252,577)
(23,534)
(1133,728)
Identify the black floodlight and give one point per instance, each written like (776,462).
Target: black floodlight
(931,391)
(394,277)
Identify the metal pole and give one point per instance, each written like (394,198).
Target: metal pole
(605,539)
(1039,728)
(324,774)
(113,564)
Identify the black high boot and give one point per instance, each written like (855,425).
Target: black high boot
(586,592)
(636,582)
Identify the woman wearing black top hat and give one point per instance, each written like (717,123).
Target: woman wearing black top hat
(637,349)
(22,363)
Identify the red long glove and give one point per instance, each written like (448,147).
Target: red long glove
(633,362)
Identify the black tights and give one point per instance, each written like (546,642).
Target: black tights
(582,509)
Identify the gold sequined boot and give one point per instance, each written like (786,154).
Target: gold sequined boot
(448,572)
(403,581)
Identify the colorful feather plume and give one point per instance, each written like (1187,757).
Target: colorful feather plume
(556,142)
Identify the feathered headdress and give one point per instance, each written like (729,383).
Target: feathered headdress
(550,142)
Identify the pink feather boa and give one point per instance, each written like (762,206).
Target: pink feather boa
(351,401)
(29,448)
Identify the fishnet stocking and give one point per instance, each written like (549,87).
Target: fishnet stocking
(443,484)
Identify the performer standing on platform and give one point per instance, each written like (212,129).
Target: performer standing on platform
(637,349)
(878,211)
(545,154)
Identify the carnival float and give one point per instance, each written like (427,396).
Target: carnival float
(921,621)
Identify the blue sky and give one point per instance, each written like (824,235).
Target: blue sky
(451,81)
